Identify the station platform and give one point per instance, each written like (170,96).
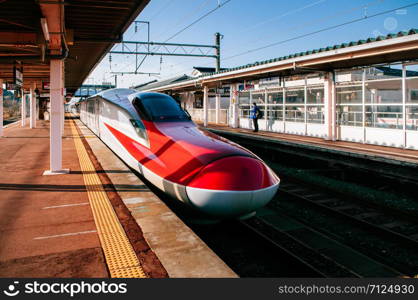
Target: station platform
(100,220)
(368,151)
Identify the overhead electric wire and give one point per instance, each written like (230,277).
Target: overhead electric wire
(320,30)
(198,20)
(316,21)
(282,15)
(185,17)
(310,22)
(164,7)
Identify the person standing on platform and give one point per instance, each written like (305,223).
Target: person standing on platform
(255,115)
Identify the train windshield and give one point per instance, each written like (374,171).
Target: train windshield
(162,108)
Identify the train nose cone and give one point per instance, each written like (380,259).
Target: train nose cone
(233,186)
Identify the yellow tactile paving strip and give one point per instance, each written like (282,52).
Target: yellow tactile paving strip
(120,256)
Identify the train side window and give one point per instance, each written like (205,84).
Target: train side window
(139,128)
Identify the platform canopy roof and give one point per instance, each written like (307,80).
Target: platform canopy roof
(392,48)
(81,31)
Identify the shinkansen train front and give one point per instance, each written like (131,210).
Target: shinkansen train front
(212,174)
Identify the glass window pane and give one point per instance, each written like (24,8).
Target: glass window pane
(350,115)
(349,94)
(295,113)
(412,117)
(163,108)
(412,84)
(211,102)
(315,95)
(244,98)
(384,91)
(275,97)
(258,98)
(274,112)
(383,116)
(244,111)
(139,128)
(315,114)
(295,96)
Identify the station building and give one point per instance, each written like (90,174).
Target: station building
(364,91)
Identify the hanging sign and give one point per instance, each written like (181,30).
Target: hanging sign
(45,85)
(18,74)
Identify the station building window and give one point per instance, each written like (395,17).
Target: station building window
(383,97)
(349,98)
(315,104)
(315,114)
(411,97)
(275,97)
(294,111)
(244,104)
(275,105)
(349,93)
(295,95)
(350,115)
(315,95)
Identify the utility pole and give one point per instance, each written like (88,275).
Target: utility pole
(218,37)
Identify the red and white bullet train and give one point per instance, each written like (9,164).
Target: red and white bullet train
(156,137)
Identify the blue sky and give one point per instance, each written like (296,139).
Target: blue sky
(250,24)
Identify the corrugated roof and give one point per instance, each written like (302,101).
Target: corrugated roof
(329,48)
(282,58)
(164,82)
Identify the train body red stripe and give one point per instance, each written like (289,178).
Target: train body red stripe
(178,150)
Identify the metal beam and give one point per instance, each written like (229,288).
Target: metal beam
(136,73)
(17,24)
(169,44)
(18,38)
(162,53)
(98,40)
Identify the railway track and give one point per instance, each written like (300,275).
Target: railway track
(325,255)
(375,220)
(394,237)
